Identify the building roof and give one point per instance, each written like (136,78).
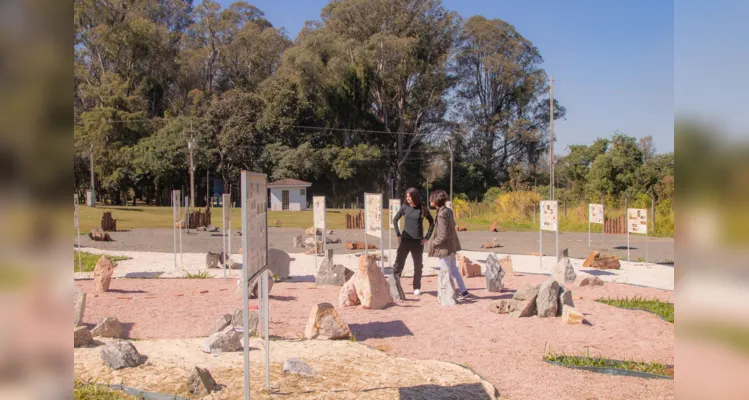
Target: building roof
(289,182)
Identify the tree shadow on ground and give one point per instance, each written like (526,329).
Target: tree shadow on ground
(126,291)
(282,298)
(144,275)
(378,330)
(474,391)
(498,296)
(624,248)
(598,272)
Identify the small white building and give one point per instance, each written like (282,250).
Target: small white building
(288,195)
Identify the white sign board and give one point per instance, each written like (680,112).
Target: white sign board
(318,206)
(76,225)
(256,220)
(395,206)
(637,220)
(549,216)
(595,213)
(373,217)
(226,208)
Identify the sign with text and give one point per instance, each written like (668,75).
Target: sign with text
(175,204)
(373,217)
(637,220)
(549,216)
(254,212)
(395,206)
(226,208)
(318,205)
(595,213)
(75,212)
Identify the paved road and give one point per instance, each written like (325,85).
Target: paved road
(161,240)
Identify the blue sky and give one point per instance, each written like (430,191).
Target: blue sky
(612,61)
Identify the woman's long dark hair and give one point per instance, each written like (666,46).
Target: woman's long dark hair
(416,198)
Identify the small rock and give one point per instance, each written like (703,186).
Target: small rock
(236,321)
(564,253)
(211,228)
(82,337)
(98,235)
(108,327)
(461,229)
(371,286)
(446,294)
(359,246)
(325,323)
(591,281)
(527,292)
(495,275)
(200,229)
(565,299)
(103,274)
(227,340)
(121,354)
(212,260)
(570,316)
(467,268)
(201,382)
(297,241)
(523,308)
(500,306)
(547,302)
(493,228)
(599,261)
(221,323)
(79,305)
(564,271)
(297,367)
(348,296)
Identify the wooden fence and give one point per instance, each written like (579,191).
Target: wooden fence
(355,221)
(617,226)
(200,218)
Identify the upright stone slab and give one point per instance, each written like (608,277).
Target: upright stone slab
(332,274)
(222,322)
(200,383)
(565,299)
(371,285)
(396,290)
(252,321)
(495,275)
(79,305)
(103,274)
(446,294)
(564,272)
(547,302)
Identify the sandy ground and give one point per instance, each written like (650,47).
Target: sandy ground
(345,370)
(304,267)
(507,351)
(162,240)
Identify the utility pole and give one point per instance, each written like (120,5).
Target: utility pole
(450,146)
(192,170)
(92,192)
(551,137)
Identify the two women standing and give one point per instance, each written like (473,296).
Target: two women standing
(444,244)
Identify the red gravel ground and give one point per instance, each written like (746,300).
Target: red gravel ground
(507,351)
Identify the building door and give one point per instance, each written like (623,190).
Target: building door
(284,199)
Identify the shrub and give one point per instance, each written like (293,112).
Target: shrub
(517,206)
(491,195)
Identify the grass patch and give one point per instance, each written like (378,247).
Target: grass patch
(88,260)
(652,367)
(91,391)
(730,335)
(658,307)
(198,275)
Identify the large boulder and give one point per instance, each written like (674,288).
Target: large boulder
(527,292)
(227,340)
(495,275)
(200,383)
(564,272)
(325,323)
(371,286)
(108,327)
(446,294)
(121,354)
(591,281)
(599,261)
(103,274)
(79,305)
(82,337)
(547,302)
(332,274)
(348,296)
(467,268)
(297,367)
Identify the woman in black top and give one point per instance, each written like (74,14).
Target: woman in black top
(412,239)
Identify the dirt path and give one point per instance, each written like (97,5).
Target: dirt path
(507,351)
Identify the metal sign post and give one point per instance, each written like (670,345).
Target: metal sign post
(318,206)
(187,214)
(175,214)
(373,222)
(366,226)
(637,222)
(394,205)
(77,227)
(595,216)
(549,222)
(225,219)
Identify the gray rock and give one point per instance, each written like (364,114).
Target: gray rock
(564,272)
(82,337)
(254,288)
(523,308)
(226,340)
(591,281)
(79,305)
(446,294)
(547,302)
(495,275)
(396,290)
(332,274)
(279,263)
(201,382)
(527,292)
(221,323)
(236,321)
(297,242)
(108,327)
(121,354)
(500,306)
(564,253)
(297,367)
(565,299)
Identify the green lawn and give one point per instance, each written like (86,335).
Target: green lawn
(588,361)
(88,260)
(662,308)
(89,391)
